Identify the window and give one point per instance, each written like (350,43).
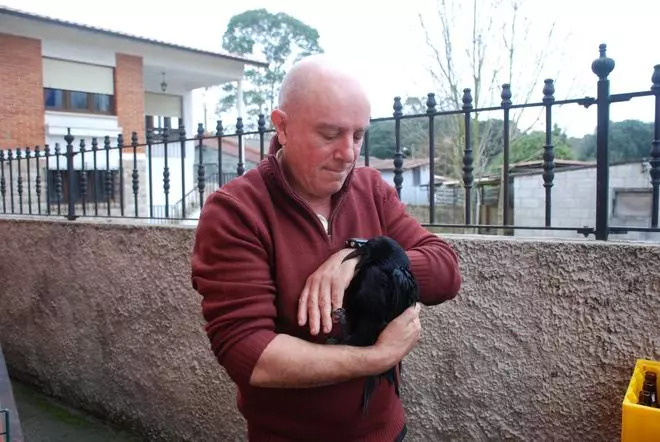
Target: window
(73,86)
(632,203)
(77,101)
(102,103)
(54,98)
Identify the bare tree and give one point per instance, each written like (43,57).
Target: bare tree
(499,50)
(482,45)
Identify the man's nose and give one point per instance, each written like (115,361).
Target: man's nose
(345,150)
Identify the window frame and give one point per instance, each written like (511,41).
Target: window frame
(618,192)
(67,107)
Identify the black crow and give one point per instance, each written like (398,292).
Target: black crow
(383,287)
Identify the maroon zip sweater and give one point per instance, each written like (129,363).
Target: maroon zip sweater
(256,243)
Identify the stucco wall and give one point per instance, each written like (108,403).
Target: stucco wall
(539,344)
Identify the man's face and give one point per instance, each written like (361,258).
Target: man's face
(323,135)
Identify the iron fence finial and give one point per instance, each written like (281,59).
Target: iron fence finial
(603,65)
(655,78)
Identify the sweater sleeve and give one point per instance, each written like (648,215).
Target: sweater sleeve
(433,261)
(230,270)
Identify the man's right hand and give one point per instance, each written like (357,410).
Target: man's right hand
(400,336)
(290,362)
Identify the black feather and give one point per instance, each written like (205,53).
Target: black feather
(382,289)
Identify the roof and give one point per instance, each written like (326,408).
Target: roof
(450,182)
(536,164)
(46,19)
(381,164)
(527,168)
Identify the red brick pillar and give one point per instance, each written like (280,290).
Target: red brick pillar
(21,93)
(129,96)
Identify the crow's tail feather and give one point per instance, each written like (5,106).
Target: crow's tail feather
(393,379)
(369,387)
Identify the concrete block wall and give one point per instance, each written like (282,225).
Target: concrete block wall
(573,199)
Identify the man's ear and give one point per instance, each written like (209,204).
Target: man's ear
(279,120)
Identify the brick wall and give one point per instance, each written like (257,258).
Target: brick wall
(129,95)
(21,92)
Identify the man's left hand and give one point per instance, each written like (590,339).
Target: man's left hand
(324,291)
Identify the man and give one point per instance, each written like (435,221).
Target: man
(268,262)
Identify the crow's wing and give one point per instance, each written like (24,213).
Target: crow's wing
(405,291)
(367,305)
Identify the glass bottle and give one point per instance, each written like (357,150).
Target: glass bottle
(650,389)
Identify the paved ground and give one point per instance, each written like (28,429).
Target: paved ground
(44,420)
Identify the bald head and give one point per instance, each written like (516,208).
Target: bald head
(312,78)
(322,116)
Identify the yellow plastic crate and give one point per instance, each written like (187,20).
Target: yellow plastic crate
(640,423)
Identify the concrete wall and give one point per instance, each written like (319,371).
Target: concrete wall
(539,344)
(574,201)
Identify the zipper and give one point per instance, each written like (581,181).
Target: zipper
(311,213)
(327,235)
(333,214)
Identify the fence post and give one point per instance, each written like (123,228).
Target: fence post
(506,163)
(655,148)
(602,67)
(240,167)
(468,167)
(71,197)
(430,111)
(398,153)
(4,425)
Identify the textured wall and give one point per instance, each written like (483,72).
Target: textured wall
(539,344)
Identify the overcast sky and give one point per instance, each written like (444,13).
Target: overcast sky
(385,44)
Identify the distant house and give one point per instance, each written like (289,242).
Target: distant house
(57,75)
(229,157)
(573,202)
(486,193)
(414,190)
(96,81)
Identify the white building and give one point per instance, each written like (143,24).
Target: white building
(57,76)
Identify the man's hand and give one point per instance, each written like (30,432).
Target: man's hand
(324,291)
(400,336)
(289,362)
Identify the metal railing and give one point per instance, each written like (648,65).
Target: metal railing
(115,180)
(68,191)
(5,435)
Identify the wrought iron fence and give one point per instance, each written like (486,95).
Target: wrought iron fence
(118,180)
(136,179)
(4,425)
